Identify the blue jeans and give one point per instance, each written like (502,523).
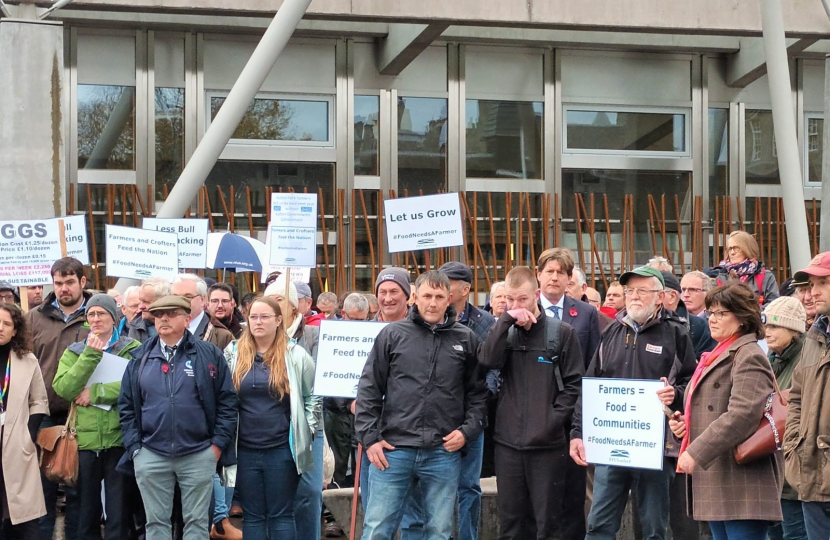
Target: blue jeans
(71,525)
(469,498)
(435,471)
(308,503)
(267,482)
(817,520)
(222,497)
(365,466)
(739,529)
(651,493)
(792,528)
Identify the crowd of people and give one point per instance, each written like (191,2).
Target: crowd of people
(216,415)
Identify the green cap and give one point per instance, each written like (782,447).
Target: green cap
(643,271)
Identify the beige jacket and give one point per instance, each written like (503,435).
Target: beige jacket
(21,473)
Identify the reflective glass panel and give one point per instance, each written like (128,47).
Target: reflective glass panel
(504,139)
(169,103)
(366,135)
(718,154)
(815,142)
(422,145)
(106,127)
(760,150)
(626,131)
(281,120)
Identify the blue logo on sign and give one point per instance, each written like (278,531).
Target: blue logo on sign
(305,209)
(622,454)
(277,208)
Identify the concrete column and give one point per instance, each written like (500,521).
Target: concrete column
(32,174)
(789,164)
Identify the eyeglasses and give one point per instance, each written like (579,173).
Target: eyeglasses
(640,292)
(717,315)
(169,313)
(96,314)
(263,318)
(733,248)
(7,297)
(216,301)
(691,290)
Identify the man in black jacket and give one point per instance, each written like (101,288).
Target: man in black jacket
(420,399)
(178,418)
(645,342)
(536,400)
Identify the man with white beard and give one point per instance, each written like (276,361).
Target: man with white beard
(644,342)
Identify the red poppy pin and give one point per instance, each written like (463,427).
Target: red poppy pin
(573,312)
(212,371)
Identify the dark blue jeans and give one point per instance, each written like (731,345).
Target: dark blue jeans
(267,481)
(792,528)
(739,529)
(651,493)
(817,519)
(308,503)
(71,525)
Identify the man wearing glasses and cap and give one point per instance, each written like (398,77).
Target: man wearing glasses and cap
(178,417)
(8,293)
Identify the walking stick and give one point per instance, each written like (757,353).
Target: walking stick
(359,460)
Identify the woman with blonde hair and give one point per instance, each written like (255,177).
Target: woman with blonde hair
(741,263)
(273,377)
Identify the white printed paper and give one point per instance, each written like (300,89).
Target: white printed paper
(293,230)
(428,222)
(192,234)
(139,254)
(110,369)
(342,351)
(623,423)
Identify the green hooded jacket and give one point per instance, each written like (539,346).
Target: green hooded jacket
(97,429)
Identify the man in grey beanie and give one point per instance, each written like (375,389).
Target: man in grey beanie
(393,290)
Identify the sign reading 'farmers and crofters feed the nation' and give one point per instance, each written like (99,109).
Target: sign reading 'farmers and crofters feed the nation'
(428,222)
(342,351)
(192,235)
(139,254)
(623,423)
(29,248)
(293,230)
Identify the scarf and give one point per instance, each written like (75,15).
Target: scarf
(295,325)
(742,270)
(706,360)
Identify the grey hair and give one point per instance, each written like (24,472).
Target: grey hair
(130,290)
(706,281)
(579,276)
(355,301)
(160,286)
(495,286)
(660,263)
(329,297)
(201,286)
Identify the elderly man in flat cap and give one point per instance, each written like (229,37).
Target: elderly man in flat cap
(178,414)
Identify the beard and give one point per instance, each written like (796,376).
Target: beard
(70,300)
(643,312)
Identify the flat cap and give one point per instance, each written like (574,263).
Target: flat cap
(457,271)
(171,301)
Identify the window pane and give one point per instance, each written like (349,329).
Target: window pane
(169,137)
(615,185)
(815,141)
(366,135)
(106,127)
(761,153)
(422,145)
(626,131)
(718,155)
(281,120)
(504,139)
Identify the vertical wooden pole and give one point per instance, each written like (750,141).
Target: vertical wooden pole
(493,236)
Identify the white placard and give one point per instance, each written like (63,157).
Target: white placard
(342,352)
(623,423)
(27,251)
(192,234)
(428,222)
(110,369)
(76,239)
(293,230)
(139,254)
(298,275)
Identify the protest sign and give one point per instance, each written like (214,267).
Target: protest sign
(28,249)
(623,423)
(139,254)
(293,230)
(342,351)
(76,238)
(298,275)
(428,222)
(192,234)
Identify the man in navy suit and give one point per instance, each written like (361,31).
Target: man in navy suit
(554,270)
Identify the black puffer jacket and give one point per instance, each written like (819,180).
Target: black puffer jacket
(420,384)
(532,413)
(660,348)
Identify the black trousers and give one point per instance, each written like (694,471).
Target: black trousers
(339,428)
(532,486)
(94,468)
(573,507)
(28,530)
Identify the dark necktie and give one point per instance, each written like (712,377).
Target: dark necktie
(170,352)
(555,311)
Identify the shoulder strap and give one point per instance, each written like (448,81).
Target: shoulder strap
(553,327)
(759,282)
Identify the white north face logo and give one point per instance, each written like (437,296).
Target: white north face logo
(458,348)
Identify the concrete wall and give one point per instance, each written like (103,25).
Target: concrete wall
(724,17)
(31,119)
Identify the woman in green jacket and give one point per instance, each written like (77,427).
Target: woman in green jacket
(98,428)
(784,327)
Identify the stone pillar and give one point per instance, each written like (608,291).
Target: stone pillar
(32,172)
